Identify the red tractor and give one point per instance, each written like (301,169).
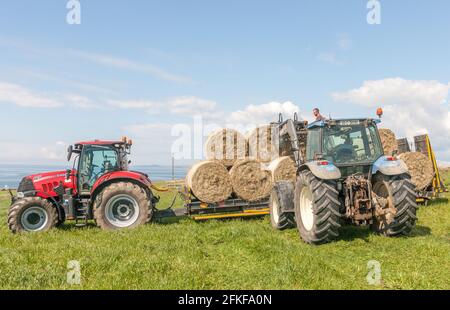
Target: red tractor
(99,187)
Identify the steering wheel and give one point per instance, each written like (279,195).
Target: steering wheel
(344,152)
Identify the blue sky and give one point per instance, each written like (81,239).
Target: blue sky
(129,65)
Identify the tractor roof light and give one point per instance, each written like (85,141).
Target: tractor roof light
(380,112)
(323,163)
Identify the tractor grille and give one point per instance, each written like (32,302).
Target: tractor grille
(26,185)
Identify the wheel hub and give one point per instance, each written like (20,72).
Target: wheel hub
(122,211)
(34,219)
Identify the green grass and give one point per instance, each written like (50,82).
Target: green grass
(231,254)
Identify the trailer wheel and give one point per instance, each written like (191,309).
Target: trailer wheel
(281,206)
(399,192)
(122,205)
(316,209)
(32,214)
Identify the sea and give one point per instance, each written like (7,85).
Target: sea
(10,175)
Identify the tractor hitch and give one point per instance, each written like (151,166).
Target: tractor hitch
(358,203)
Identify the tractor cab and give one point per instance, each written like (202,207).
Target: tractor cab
(97,158)
(344,143)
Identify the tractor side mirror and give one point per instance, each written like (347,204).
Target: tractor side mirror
(68,172)
(69,152)
(319,156)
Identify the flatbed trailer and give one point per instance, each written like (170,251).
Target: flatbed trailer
(199,211)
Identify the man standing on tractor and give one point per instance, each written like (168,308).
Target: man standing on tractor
(317,115)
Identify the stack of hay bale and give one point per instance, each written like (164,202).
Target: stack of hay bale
(419,165)
(238,165)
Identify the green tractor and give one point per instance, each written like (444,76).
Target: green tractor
(343,177)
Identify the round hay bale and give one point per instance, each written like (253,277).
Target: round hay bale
(260,144)
(250,180)
(388,141)
(225,145)
(209,181)
(420,168)
(283,169)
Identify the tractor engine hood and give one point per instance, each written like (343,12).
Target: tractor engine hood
(41,184)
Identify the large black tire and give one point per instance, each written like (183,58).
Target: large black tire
(282,199)
(32,214)
(316,206)
(399,191)
(122,205)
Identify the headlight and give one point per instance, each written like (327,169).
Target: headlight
(20,195)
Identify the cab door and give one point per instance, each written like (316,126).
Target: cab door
(95,161)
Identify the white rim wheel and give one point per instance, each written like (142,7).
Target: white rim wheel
(275,214)
(306,208)
(34,219)
(122,211)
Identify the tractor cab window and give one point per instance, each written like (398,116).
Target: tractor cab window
(351,144)
(95,161)
(313,144)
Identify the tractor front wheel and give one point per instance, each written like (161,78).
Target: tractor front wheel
(32,214)
(122,205)
(316,204)
(401,197)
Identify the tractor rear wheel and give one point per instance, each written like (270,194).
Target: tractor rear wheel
(32,214)
(317,206)
(122,205)
(282,199)
(399,192)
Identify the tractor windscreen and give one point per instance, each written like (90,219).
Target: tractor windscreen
(95,161)
(350,143)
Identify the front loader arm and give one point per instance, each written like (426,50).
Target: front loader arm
(288,131)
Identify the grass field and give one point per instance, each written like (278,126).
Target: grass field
(231,254)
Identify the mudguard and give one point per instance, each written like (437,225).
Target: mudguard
(389,167)
(285,193)
(129,176)
(324,172)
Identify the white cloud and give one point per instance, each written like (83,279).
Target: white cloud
(21,96)
(188,105)
(130,65)
(81,101)
(151,143)
(182,105)
(56,152)
(20,152)
(62,80)
(152,107)
(410,108)
(264,113)
(395,91)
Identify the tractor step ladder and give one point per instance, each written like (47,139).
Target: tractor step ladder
(82,215)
